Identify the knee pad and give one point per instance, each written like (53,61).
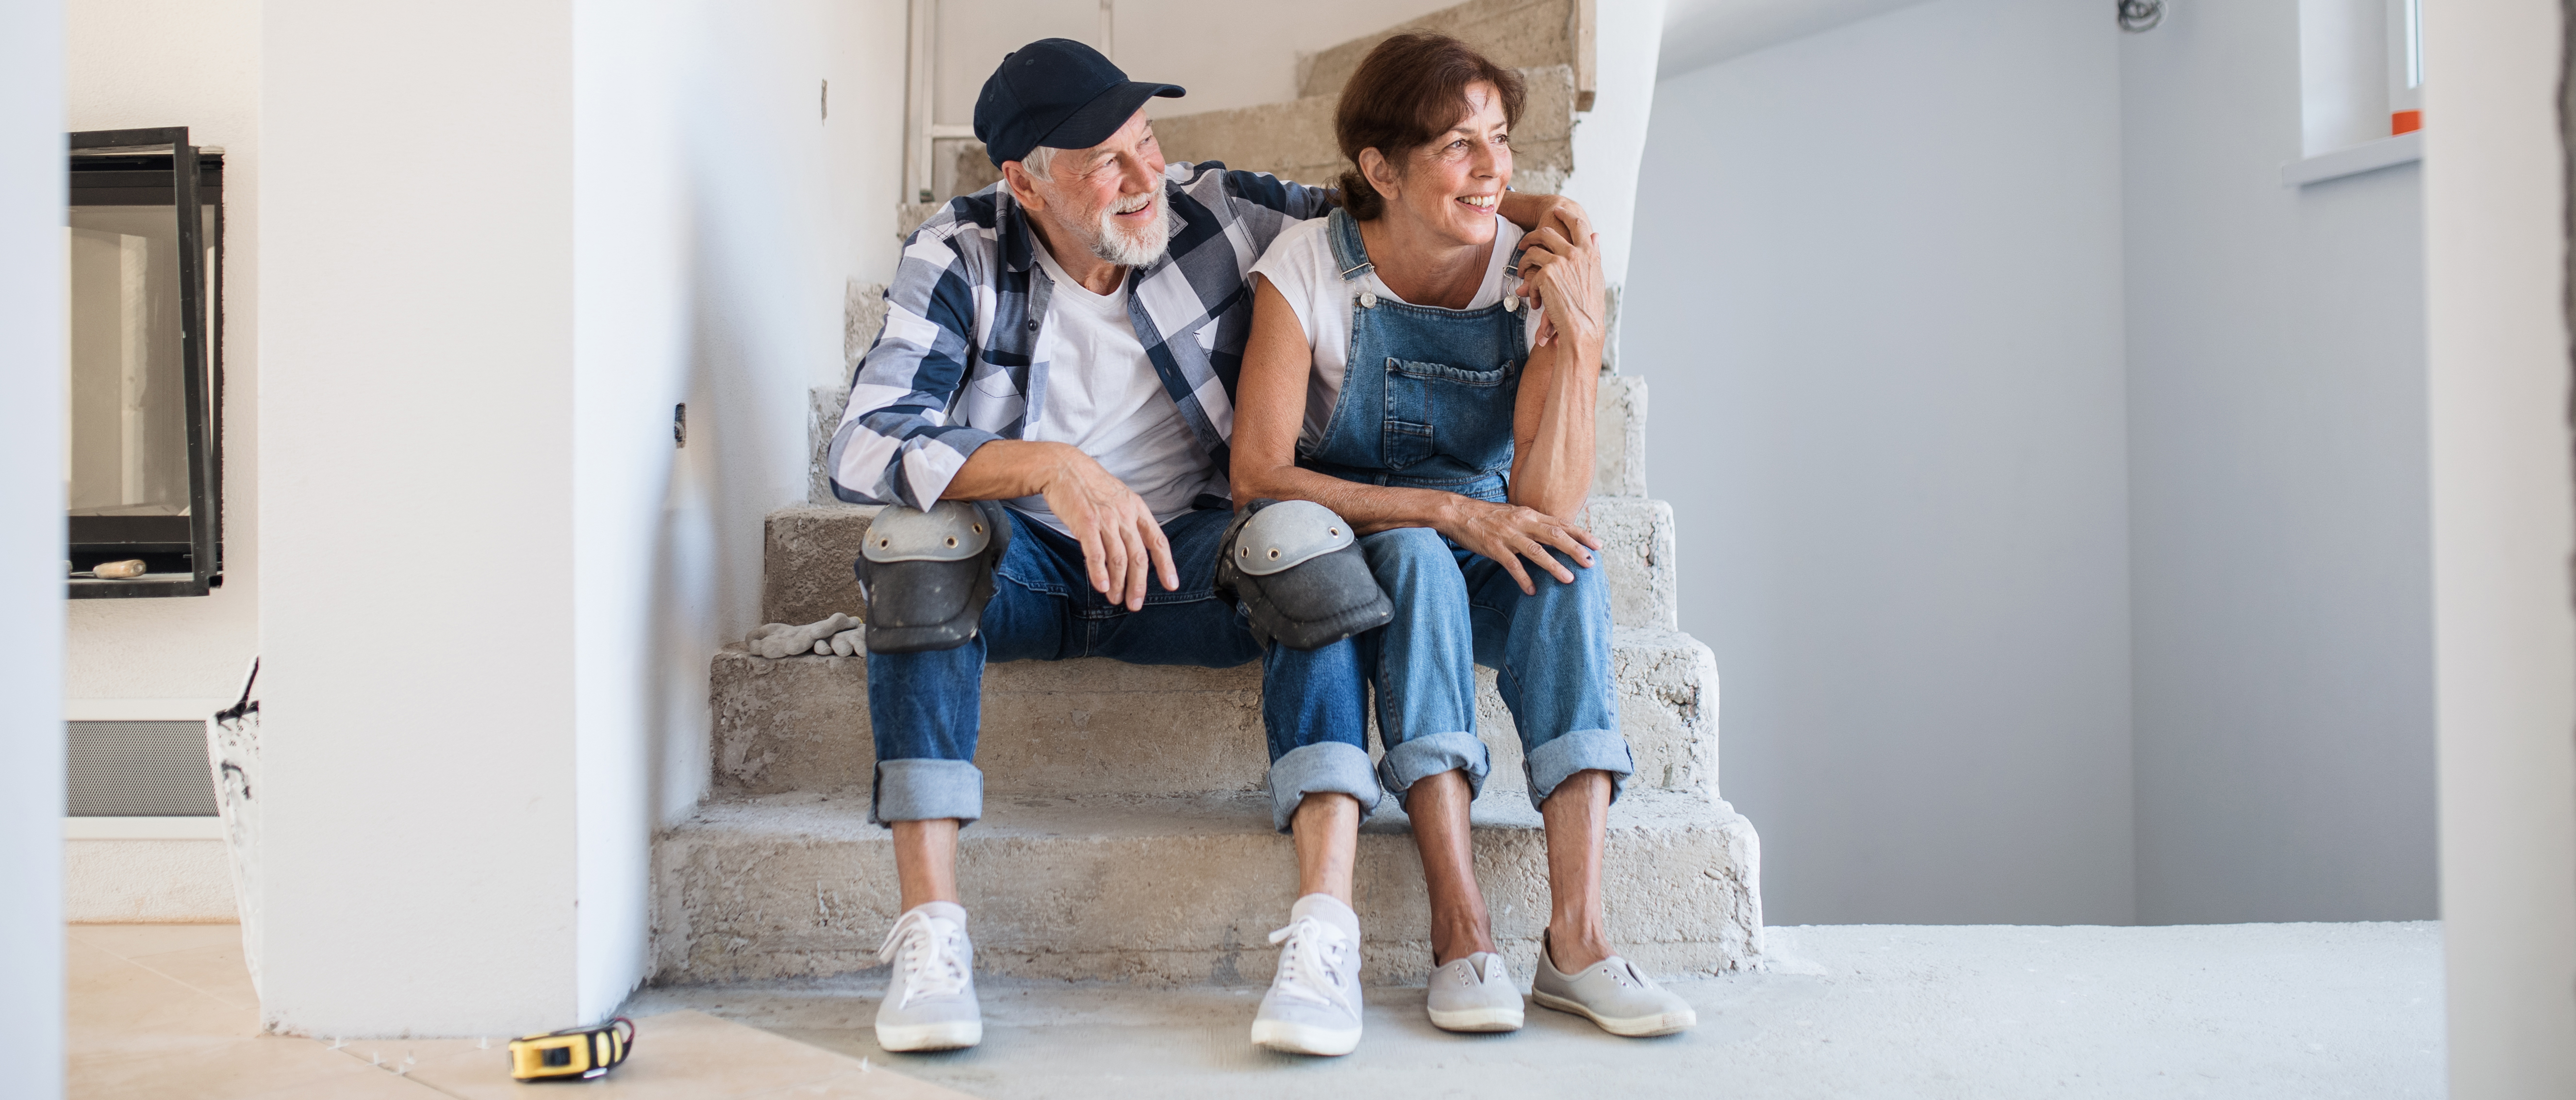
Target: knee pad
(928,575)
(1297,570)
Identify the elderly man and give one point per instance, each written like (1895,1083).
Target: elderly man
(1064,342)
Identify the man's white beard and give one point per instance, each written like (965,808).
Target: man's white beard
(1140,248)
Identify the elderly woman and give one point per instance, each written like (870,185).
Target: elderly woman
(1426,371)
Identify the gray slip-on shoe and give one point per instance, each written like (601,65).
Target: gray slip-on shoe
(930,996)
(1475,994)
(1313,1006)
(1613,994)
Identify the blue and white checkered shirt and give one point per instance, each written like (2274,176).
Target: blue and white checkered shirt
(953,368)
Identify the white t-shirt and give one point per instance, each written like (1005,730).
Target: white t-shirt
(1300,263)
(1103,397)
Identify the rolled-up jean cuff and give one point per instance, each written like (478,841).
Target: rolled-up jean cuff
(927,790)
(1581,750)
(1325,766)
(1423,757)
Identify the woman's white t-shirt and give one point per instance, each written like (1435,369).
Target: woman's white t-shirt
(1300,263)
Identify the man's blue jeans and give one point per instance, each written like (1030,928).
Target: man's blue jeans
(1454,610)
(927,708)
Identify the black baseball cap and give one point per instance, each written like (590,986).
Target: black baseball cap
(1060,93)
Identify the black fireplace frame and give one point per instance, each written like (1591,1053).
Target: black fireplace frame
(151,167)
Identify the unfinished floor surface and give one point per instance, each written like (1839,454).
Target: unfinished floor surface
(2284,1010)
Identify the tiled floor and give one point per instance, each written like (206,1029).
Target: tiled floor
(166,1012)
(2255,1011)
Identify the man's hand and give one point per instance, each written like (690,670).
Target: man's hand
(1536,212)
(1120,540)
(1565,280)
(1506,533)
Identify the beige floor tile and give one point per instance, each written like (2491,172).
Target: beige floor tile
(113,1001)
(221,1071)
(137,940)
(215,970)
(868,1084)
(678,1056)
(367,1084)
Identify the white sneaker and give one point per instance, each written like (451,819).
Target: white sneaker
(1613,994)
(930,998)
(1313,1006)
(1475,994)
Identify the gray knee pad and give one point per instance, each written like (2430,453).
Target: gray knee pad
(927,575)
(1297,570)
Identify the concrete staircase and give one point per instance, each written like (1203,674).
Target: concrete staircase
(1127,835)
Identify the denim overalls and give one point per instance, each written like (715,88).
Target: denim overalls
(1426,402)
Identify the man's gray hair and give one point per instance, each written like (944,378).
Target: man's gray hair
(1039,161)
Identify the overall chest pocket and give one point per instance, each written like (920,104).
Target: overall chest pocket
(1440,410)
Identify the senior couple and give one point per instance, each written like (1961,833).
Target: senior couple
(1122,353)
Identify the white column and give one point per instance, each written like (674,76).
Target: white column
(415,486)
(31,547)
(2503,530)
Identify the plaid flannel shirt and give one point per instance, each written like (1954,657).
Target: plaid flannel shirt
(955,366)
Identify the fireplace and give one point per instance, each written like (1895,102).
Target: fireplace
(143,465)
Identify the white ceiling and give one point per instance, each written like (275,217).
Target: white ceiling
(1704,32)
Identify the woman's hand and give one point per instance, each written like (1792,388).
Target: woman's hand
(1566,282)
(1507,533)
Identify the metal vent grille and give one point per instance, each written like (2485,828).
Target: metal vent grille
(140,769)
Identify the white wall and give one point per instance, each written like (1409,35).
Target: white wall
(31,547)
(718,214)
(416,494)
(1878,296)
(2282,589)
(1705,32)
(2495,195)
(632,209)
(193,63)
(1610,141)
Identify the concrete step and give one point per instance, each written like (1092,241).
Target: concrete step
(1293,139)
(1174,890)
(1100,727)
(1618,419)
(810,547)
(1517,34)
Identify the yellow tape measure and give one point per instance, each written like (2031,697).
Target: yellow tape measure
(575,1052)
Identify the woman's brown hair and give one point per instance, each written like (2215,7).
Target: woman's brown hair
(1410,89)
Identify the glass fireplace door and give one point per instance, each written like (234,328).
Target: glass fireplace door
(142,476)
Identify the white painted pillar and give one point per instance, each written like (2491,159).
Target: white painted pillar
(415,487)
(31,548)
(2503,532)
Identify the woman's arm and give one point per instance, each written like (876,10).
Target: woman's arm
(1270,408)
(1552,453)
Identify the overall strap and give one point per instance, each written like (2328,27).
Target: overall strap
(1348,253)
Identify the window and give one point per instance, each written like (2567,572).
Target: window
(143,241)
(2405,65)
(2361,72)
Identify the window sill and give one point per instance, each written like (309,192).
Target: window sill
(2369,156)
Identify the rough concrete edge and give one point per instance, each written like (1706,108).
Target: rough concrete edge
(1738,940)
(1334,64)
(823,407)
(1619,437)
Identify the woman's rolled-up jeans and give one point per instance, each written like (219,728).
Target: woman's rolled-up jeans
(1454,610)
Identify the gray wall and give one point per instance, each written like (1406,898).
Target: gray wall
(2050,479)
(1876,289)
(2279,509)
